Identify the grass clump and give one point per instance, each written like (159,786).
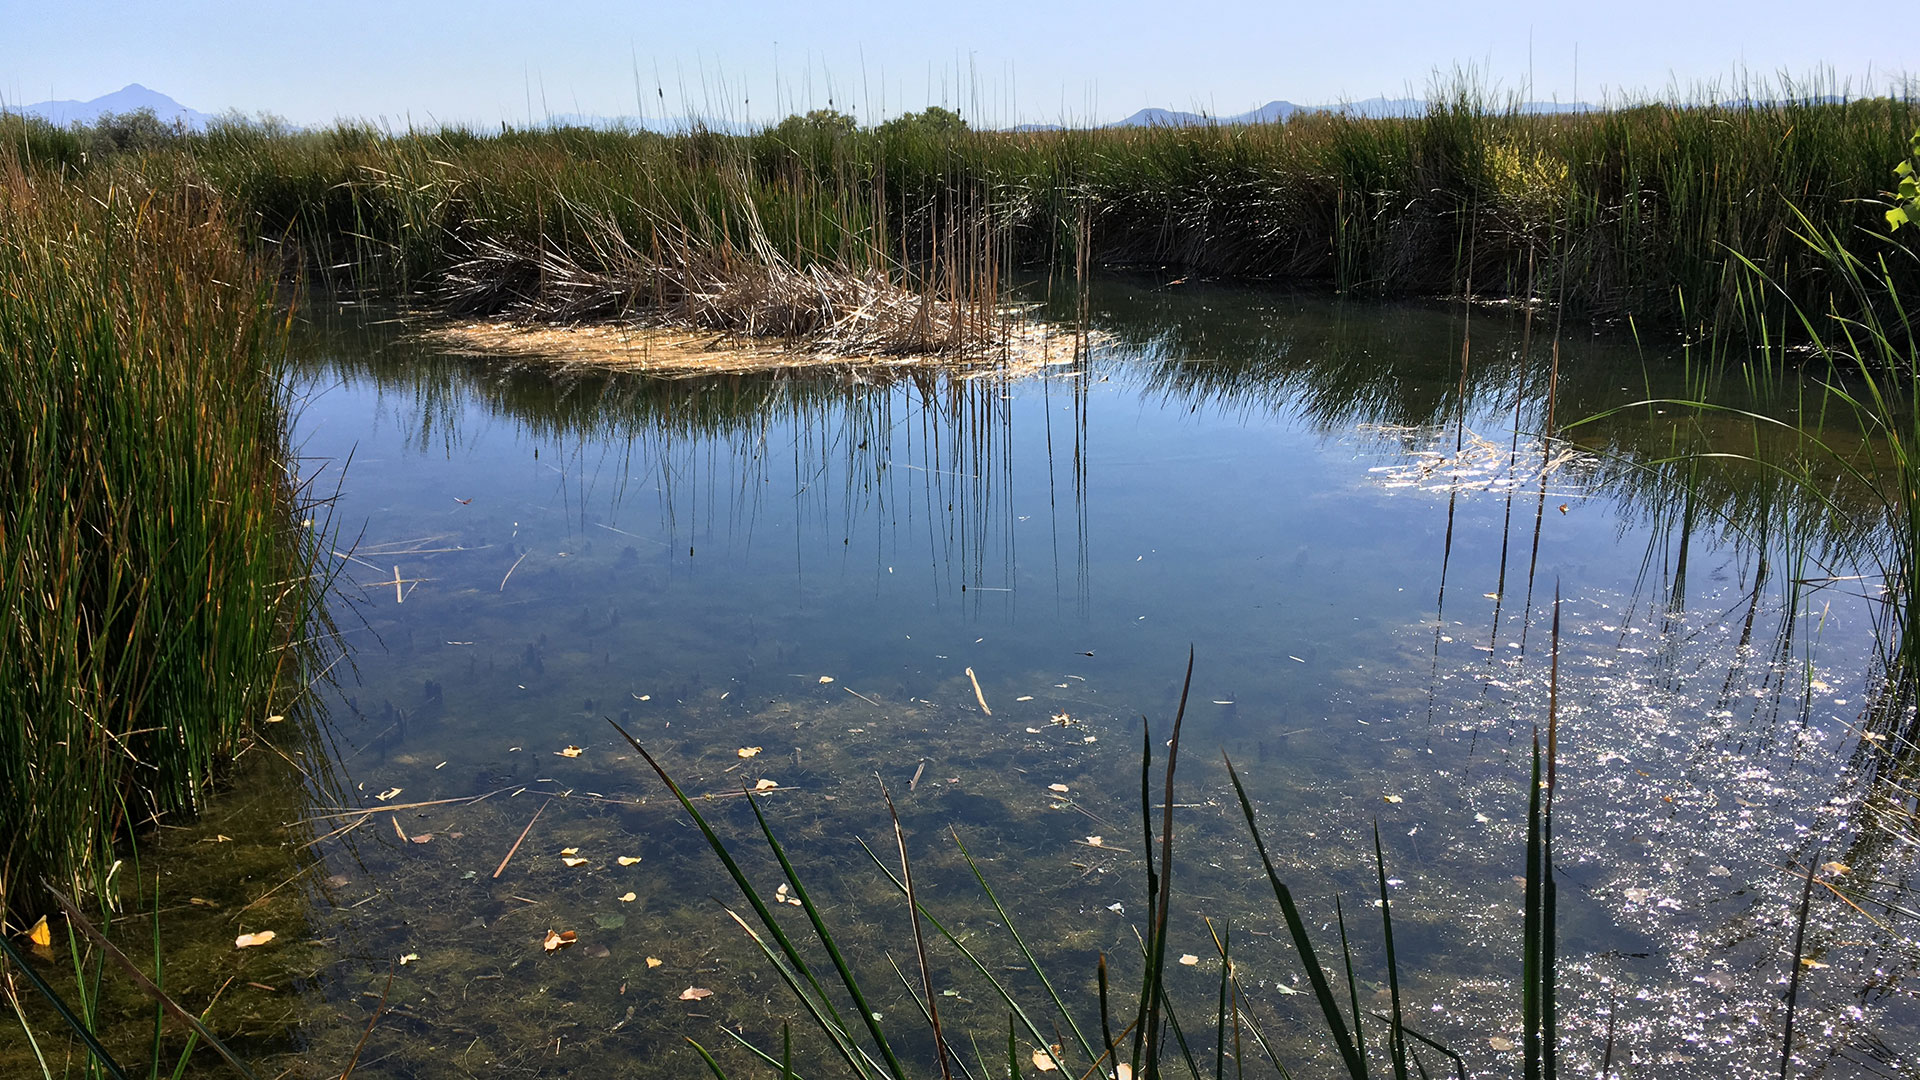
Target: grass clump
(152,571)
(1634,210)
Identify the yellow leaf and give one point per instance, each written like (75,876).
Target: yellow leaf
(1061,788)
(765,785)
(40,934)
(1043,1061)
(747,751)
(388,794)
(1189,959)
(826,679)
(695,993)
(275,718)
(409,958)
(1095,841)
(570,751)
(557,940)
(628,897)
(1395,799)
(569,851)
(247,941)
(571,861)
(1835,868)
(654,961)
(629,860)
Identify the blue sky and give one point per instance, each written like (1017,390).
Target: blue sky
(485,61)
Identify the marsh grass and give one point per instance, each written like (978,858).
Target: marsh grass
(1626,211)
(157,581)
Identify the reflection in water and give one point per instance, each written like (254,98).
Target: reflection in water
(806,568)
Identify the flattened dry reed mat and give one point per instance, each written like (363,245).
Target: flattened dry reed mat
(1024,349)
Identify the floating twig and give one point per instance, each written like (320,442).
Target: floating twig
(977,695)
(502,868)
(861,696)
(515,566)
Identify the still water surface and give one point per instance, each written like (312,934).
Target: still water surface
(1363,562)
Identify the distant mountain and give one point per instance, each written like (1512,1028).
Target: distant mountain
(130,98)
(1278,112)
(1272,112)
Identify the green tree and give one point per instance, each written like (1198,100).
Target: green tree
(934,120)
(829,122)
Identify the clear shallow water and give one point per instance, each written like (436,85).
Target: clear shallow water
(810,567)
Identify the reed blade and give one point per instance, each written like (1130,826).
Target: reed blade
(1296,928)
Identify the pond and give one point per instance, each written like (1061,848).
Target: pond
(972,591)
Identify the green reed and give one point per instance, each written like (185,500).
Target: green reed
(152,563)
(1627,211)
(1152,1041)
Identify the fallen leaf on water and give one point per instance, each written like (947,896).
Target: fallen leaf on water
(423,838)
(1395,799)
(695,993)
(654,961)
(1123,1071)
(1500,1042)
(557,940)
(570,751)
(1812,963)
(1029,697)
(1095,841)
(571,861)
(1117,908)
(826,679)
(628,860)
(1033,731)
(1189,959)
(765,785)
(569,851)
(388,794)
(747,751)
(40,935)
(1835,868)
(409,958)
(1062,788)
(248,941)
(275,718)
(1043,1061)
(628,897)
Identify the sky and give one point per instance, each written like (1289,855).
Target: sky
(997,61)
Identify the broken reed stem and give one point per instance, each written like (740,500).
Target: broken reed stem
(378,1008)
(977,695)
(502,868)
(511,569)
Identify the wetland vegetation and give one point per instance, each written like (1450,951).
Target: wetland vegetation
(972,586)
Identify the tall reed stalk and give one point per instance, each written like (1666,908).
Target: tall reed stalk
(154,576)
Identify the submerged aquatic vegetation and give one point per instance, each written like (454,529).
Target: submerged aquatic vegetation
(1145,1046)
(155,575)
